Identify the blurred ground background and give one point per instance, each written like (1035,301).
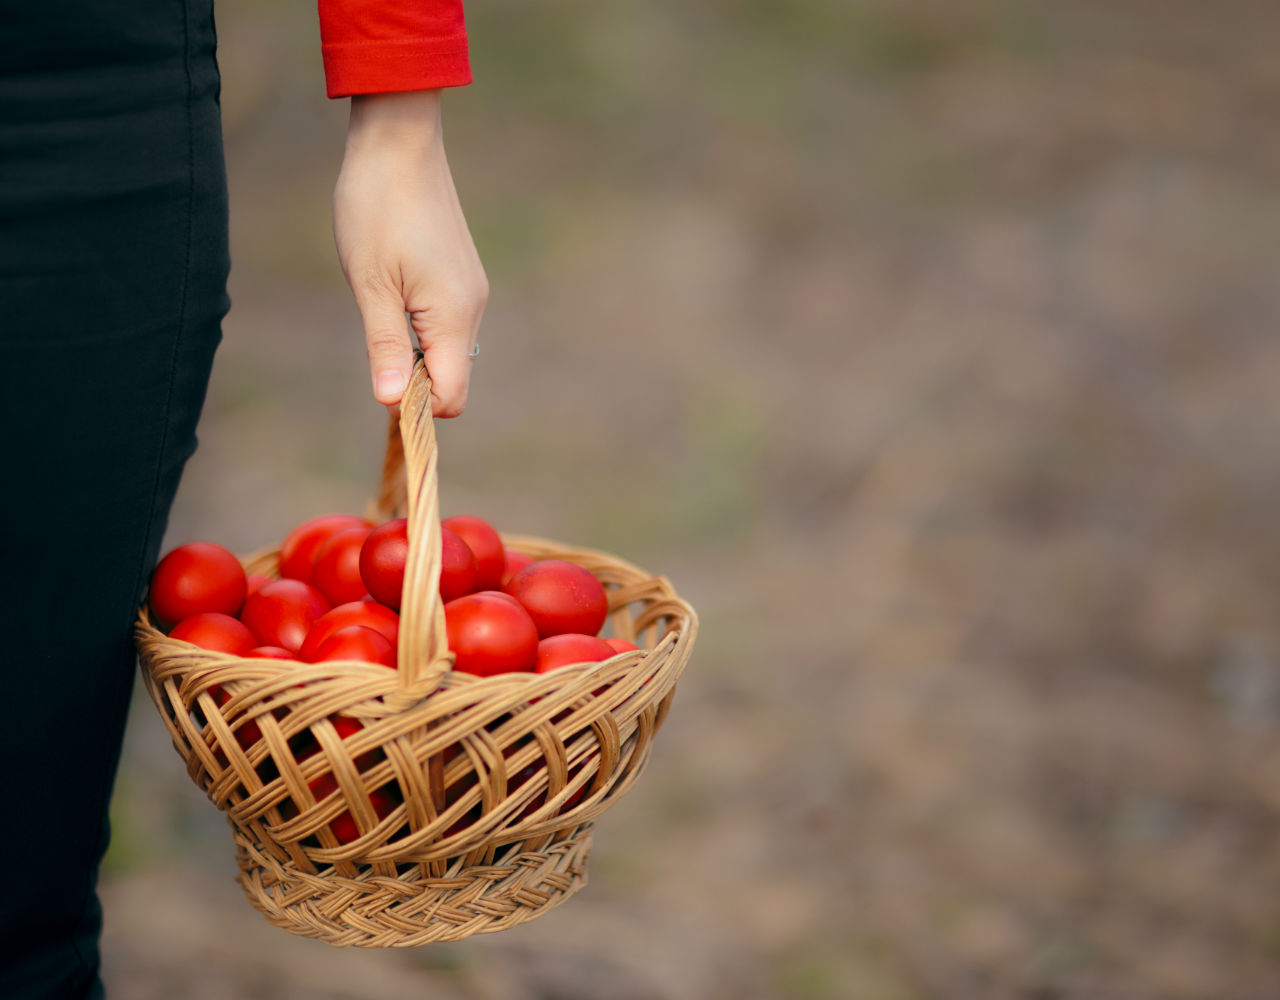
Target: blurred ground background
(929,347)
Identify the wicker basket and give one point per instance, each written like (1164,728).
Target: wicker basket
(474,797)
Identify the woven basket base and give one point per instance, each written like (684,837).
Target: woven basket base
(374,911)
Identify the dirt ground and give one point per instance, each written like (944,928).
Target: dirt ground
(930,349)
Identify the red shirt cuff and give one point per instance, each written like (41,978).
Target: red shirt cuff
(378,47)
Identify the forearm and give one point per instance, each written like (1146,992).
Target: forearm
(407,123)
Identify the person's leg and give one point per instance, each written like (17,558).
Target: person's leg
(113,264)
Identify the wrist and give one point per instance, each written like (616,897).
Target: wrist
(408,121)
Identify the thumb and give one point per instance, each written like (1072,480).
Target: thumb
(387,339)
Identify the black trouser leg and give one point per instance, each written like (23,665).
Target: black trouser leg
(113,265)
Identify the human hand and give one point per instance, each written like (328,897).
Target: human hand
(405,248)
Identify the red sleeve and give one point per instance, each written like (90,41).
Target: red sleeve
(381,46)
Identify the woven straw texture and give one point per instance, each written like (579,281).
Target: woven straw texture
(473,798)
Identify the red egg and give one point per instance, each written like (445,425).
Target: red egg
(336,571)
(490,634)
(356,642)
(368,613)
(216,631)
(281,613)
(382,561)
(568,647)
(270,653)
(194,578)
(560,597)
(298,553)
(514,563)
(458,573)
(483,539)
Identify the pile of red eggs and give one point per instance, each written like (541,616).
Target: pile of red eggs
(340,589)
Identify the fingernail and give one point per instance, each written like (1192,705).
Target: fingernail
(388,385)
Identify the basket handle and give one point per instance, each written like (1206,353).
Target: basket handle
(410,484)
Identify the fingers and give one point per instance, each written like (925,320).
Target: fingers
(387,339)
(445,335)
(445,354)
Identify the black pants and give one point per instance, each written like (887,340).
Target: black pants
(113,266)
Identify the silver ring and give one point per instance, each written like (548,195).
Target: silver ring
(475,352)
